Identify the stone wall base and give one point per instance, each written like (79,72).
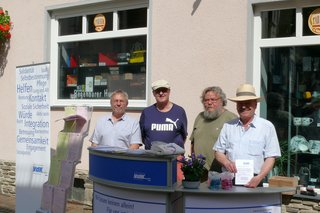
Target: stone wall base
(292,204)
(81,191)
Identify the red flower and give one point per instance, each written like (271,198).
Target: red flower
(5,25)
(8,35)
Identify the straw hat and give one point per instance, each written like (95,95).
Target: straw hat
(245,92)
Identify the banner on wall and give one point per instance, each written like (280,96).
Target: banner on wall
(32,135)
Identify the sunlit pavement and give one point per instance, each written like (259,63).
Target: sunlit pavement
(8,205)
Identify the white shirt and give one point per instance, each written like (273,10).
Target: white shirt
(122,133)
(256,143)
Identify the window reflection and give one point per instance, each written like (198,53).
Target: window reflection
(278,23)
(133,18)
(70,26)
(292,76)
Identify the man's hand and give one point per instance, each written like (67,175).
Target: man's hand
(254,182)
(266,167)
(225,162)
(230,166)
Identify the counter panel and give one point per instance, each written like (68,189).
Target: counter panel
(133,171)
(113,199)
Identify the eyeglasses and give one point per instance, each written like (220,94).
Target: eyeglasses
(163,90)
(213,100)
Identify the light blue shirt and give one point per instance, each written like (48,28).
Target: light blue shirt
(256,143)
(122,133)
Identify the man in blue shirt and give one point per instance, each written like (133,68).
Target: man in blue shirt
(117,129)
(248,137)
(163,121)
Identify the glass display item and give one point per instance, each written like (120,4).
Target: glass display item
(304,176)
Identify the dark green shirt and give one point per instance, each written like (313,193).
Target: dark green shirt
(205,134)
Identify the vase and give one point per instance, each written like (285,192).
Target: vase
(191,184)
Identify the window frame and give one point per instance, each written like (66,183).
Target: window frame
(84,9)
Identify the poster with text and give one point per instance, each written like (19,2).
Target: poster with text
(32,135)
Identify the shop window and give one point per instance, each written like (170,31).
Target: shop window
(293,101)
(94,69)
(290,82)
(98,53)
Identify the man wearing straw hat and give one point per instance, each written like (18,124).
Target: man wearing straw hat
(248,137)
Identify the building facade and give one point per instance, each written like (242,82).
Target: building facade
(97,46)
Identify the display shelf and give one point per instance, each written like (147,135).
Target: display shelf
(98,82)
(305,119)
(317,197)
(308,161)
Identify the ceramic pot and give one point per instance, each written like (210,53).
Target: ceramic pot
(190,184)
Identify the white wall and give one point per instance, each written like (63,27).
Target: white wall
(195,51)
(26,47)
(192,50)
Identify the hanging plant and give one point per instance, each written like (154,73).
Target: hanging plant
(5,25)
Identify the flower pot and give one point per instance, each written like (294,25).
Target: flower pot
(190,184)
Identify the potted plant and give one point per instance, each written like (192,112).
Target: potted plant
(5,25)
(193,169)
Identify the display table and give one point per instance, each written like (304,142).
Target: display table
(238,199)
(131,181)
(141,183)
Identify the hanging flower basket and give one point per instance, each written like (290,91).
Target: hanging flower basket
(5,25)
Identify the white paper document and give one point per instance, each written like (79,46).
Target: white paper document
(244,171)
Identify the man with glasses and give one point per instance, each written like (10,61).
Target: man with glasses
(207,126)
(163,121)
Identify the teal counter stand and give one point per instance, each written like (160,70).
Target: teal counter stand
(142,183)
(132,182)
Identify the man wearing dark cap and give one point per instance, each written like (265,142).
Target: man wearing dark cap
(163,121)
(248,137)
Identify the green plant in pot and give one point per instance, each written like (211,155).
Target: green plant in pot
(281,164)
